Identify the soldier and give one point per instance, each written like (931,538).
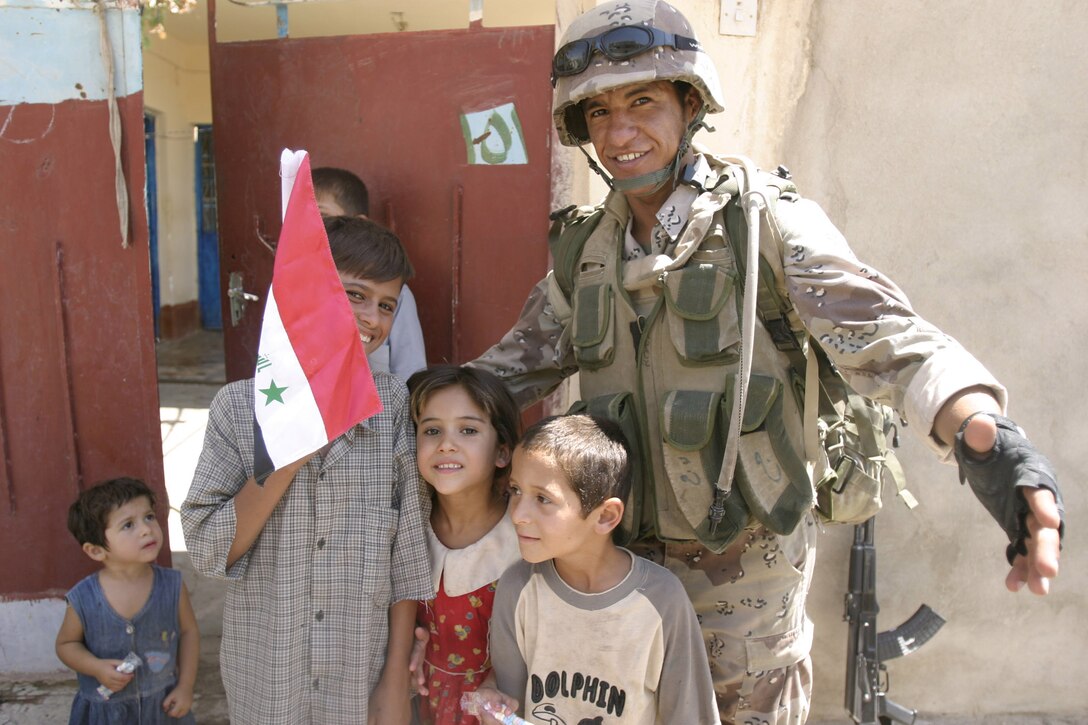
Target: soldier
(644,303)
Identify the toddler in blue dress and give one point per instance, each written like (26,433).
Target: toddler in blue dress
(129,606)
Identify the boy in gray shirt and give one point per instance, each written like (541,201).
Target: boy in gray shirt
(583,631)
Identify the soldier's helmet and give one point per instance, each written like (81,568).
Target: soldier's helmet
(624,42)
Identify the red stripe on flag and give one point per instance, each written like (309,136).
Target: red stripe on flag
(317,317)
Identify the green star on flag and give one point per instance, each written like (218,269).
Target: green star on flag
(273,393)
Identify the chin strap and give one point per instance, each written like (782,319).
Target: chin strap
(654,179)
(597,168)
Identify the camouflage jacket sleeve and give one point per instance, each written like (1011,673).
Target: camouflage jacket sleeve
(536,354)
(867,326)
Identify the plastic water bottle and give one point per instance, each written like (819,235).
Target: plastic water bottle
(472,703)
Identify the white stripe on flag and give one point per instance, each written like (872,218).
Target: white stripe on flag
(289,163)
(292,428)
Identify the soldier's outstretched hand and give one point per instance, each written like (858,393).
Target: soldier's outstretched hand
(1043,544)
(1017,485)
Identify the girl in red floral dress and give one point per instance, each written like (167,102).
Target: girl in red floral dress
(466,428)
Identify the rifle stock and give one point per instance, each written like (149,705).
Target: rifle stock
(866,684)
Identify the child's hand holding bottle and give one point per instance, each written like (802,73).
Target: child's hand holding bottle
(489,705)
(114,675)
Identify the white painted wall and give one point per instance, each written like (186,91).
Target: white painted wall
(28,630)
(52,52)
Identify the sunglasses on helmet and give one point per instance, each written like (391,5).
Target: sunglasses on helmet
(619,43)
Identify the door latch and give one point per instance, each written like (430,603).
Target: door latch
(238,298)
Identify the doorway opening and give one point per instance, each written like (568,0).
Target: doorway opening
(207,230)
(151,203)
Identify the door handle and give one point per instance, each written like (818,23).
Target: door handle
(238,298)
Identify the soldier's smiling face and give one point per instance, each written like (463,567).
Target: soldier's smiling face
(636,129)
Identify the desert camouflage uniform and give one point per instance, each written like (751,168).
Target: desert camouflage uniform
(750,595)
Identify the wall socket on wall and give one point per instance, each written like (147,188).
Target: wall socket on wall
(738,17)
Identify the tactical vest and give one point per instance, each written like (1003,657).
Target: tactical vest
(661,360)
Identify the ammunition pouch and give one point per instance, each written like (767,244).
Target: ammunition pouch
(856,458)
(770,482)
(848,438)
(593,334)
(694,299)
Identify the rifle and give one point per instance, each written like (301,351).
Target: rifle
(866,675)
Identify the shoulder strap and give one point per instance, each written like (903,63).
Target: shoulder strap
(567,237)
(755,198)
(771,307)
(805,356)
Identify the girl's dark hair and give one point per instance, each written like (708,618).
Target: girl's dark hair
(89,515)
(366,250)
(485,389)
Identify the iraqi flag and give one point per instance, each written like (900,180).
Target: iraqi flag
(313,381)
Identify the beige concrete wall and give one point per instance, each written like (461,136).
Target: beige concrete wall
(178,92)
(947,141)
(239,21)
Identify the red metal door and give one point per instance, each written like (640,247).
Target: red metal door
(78,395)
(425,119)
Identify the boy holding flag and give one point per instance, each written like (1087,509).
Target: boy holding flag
(326,554)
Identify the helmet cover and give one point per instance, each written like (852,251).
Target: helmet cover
(656,64)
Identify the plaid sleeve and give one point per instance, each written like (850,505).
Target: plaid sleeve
(410,563)
(207,515)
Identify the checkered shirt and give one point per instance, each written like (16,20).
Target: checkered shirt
(306,619)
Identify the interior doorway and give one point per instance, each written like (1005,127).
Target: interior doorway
(207,230)
(151,206)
